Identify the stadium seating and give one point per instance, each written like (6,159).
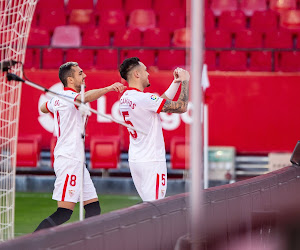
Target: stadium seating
(290,20)
(182,37)
(95,37)
(146,56)
(179,151)
(57,17)
(84,18)
(131,5)
(84,57)
(232,20)
(287,61)
(280,39)
(38,37)
(128,37)
(32,59)
(66,36)
(142,19)
(170,59)
(218,39)
(171,19)
(209,20)
(264,21)
(248,39)
(112,20)
(282,5)
(28,151)
(260,61)
(233,60)
(166,5)
(156,37)
(52,58)
(107,59)
(50,5)
(105,152)
(250,6)
(210,57)
(104,5)
(79,4)
(218,6)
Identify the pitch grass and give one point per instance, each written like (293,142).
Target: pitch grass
(32,208)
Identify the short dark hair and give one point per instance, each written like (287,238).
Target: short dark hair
(66,71)
(127,65)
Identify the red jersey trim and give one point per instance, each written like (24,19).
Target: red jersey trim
(70,89)
(48,108)
(77,107)
(161,106)
(134,89)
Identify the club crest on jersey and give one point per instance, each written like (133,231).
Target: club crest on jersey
(71,192)
(153,97)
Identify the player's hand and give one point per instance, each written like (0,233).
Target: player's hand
(118,87)
(176,75)
(84,110)
(183,75)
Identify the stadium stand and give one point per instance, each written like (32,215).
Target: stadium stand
(250,6)
(38,37)
(105,152)
(128,37)
(104,5)
(219,6)
(107,59)
(66,36)
(131,5)
(218,39)
(171,19)
(95,37)
(112,20)
(142,19)
(264,21)
(282,5)
(156,37)
(248,39)
(28,151)
(179,153)
(182,37)
(290,20)
(233,60)
(82,56)
(79,4)
(57,17)
(84,18)
(260,61)
(52,58)
(232,21)
(170,59)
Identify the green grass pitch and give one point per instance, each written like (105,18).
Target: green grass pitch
(32,208)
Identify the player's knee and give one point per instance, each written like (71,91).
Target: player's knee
(92,209)
(60,216)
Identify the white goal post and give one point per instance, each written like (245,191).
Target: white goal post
(15,22)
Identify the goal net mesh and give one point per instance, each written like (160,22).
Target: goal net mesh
(15,21)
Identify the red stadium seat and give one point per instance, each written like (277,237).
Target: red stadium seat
(105,152)
(95,37)
(260,61)
(28,151)
(250,6)
(218,39)
(57,17)
(79,4)
(287,61)
(209,20)
(281,5)
(182,37)
(264,21)
(112,20)
(84,57)
(50,5)
(82,17)
(232,20)
(131,5)
(66,36)
(103,5)
(298,40)
(233,60)
(146,56)
(107,59)
(290,20)
(52,58)
(156,38)
(179,151)
(171,19)
(166,4)
(32,59)
(282,39)
(129,37)
(142,19)
(170,59)
(249,39)
(218,6)
(210,59)
(38,37)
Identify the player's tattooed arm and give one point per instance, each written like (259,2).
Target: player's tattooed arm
(180,106)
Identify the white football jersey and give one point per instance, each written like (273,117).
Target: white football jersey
(141,110)
(68,125)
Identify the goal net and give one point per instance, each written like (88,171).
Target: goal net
(15,21)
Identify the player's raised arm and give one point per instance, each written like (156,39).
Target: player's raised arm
(172,90)
(180,106)
(94,94)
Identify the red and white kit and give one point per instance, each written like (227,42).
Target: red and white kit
(68,152)
(147,156)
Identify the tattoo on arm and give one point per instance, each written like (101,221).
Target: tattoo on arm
(180,105)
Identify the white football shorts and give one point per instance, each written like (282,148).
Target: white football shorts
(150,179)
(68,181)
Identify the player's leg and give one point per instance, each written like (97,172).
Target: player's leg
(90,197)
(137,174)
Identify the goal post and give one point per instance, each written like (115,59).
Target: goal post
(15,22)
